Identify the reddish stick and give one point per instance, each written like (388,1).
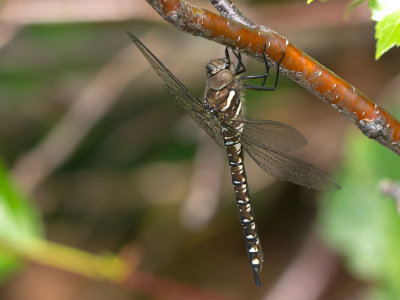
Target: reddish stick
(371,119)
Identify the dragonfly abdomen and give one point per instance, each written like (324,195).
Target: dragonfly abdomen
(246,214)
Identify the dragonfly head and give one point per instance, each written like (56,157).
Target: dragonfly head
(220,73)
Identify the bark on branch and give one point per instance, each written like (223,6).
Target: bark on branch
(238,31)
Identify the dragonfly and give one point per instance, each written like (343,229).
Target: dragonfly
(220,114)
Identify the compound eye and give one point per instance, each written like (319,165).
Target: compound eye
(209,70)
(221,79)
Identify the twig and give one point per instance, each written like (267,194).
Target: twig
(162,288)
(391,189)
(32,168)
(371,119)
(106,267)
(7,32)
(93,103)
(101,267)
(229,11)
(202,201)
(307,277)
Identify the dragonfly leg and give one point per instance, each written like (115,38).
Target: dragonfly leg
(262,87)
(240,68)
(227,54)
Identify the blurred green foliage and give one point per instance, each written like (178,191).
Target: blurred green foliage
(361,223)
(21,239)
(19,223)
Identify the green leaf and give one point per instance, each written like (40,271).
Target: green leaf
(19,223)
(381,8)
(361,223)
(387,32)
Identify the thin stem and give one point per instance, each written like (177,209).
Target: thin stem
(108,267)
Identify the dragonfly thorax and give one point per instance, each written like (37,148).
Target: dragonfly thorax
(223,88)
(220,73)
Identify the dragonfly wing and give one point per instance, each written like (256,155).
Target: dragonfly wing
(190,103)
(275,135)
(210,125)
(288,168)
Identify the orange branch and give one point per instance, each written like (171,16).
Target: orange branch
(371,119)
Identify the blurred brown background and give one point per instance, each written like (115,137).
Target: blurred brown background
(114,164)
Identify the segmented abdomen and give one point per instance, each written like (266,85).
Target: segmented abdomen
(239,180)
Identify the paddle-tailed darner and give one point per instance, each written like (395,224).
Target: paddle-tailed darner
(267,142)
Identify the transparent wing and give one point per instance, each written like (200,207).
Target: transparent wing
(190,103)
(286,167)
(265,141)
(275,135)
